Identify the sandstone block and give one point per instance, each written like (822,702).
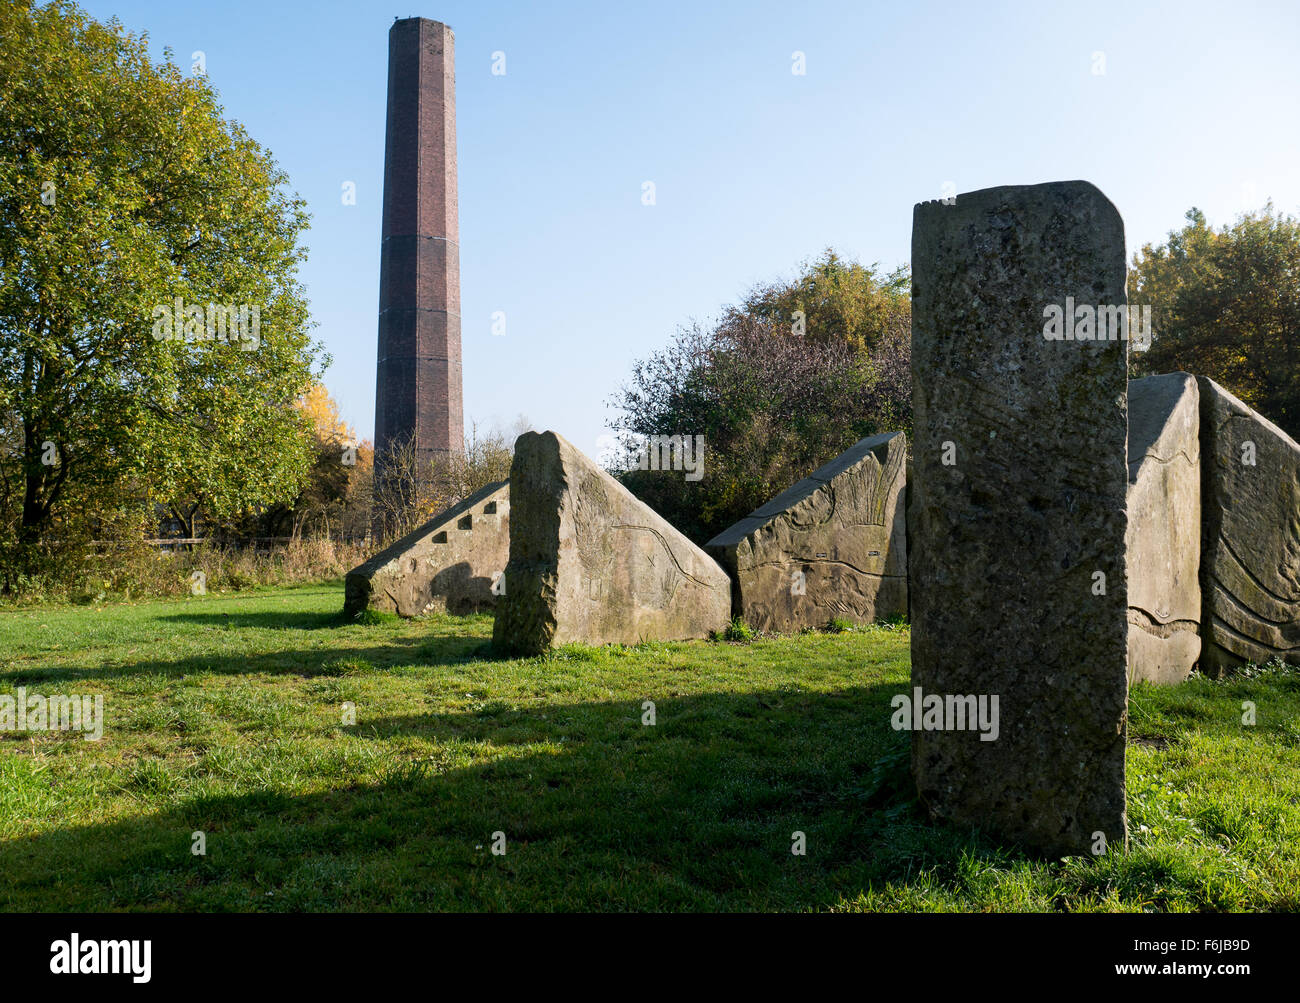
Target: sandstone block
(450,563)
(1164,528)
(832,546)
(1250,547)
(591,563)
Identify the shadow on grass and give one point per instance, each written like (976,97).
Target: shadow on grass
(434,649)
(265,620)
(298,620)
(598,811)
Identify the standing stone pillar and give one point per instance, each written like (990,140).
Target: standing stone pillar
(1017,518)
(418,383)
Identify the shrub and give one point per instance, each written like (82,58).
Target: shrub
(738,630)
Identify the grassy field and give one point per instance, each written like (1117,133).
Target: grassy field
(225,715)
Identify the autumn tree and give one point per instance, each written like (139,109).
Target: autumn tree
(834,299)
(337,496)
(789,378)
(321,504)
(153,333)
(1225,303)
(334,497)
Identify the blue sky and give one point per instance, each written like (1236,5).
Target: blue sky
(755,168)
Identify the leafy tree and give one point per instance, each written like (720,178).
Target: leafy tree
(122,191)
(334,496)
(840,301)
(1226,304)
(771,403)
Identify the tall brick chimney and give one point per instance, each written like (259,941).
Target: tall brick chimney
(418,384)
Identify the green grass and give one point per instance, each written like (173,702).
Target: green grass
(225,715)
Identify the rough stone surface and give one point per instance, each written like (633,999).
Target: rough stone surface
(447,564)
(832,546)
(1005,540)
(1250,544)
(590,563)
(1164,528)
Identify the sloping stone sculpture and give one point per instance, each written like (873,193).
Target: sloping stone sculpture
(832,546)
(451,563)
(1017,519)
(1250,547)
(1164,528)
(592,564)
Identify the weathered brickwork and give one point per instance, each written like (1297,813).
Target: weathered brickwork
(418,384)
